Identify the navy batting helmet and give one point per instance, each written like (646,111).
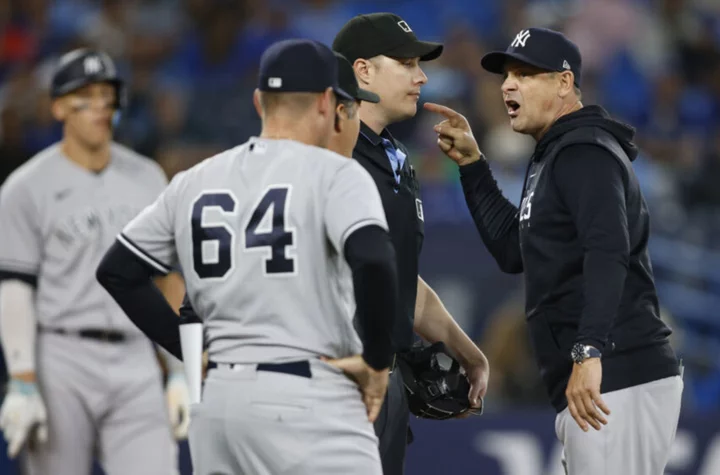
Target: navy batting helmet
(81,67)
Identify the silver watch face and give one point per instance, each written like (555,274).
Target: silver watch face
(579,353)
(582,352)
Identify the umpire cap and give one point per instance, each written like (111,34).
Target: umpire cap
(367,36)
(348,82)
(540,47)
(299,65)
(81,67)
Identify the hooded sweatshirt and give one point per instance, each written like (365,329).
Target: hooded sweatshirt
(580,238)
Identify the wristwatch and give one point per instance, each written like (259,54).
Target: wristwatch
(580,353)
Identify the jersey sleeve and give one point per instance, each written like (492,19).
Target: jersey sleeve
(352,202)
(20,234)
(151,234)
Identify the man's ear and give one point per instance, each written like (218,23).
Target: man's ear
(567,84)
(340,109)
(363,70)
(327,102)
(256,102)
(338,126)
(59,109)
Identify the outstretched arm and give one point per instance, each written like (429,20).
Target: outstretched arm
(496,218)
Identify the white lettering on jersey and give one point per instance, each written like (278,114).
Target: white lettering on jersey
(526,207)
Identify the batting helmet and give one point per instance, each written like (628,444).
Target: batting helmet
(435,386)
(81,67)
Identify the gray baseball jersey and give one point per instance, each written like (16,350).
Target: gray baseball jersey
(259,232)
(57,220)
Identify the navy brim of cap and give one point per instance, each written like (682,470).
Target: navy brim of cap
(367,96)
(425,50)
(341,92)
(73,86)
(495,62)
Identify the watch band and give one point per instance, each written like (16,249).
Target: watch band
(581,352)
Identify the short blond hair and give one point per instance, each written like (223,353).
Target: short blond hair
(292,102)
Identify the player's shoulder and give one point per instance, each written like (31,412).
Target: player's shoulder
(35,172)
(130,161)
(322,159)
(342,174)
(217,165)
(350,166)
(331,166)
(319,153)
(211,164)
(124,154)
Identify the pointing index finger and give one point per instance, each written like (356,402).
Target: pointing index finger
(442,110)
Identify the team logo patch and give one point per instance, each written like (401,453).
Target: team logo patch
(275,83)
(258,147)
(419,209)
(520,39)
(92,65)
(405,27)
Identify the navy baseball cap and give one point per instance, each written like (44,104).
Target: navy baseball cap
(367,36)
(299,65)
(540,47)
(348,82)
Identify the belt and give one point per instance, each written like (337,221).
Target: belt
(109,336)
(296,368)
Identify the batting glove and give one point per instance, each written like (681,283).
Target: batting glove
(177,396)
(23,416)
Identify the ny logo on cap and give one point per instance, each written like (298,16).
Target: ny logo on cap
(405,27)
(520,39)
(274,82)
(92,65)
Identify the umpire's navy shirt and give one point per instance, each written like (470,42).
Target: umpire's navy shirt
(400,194)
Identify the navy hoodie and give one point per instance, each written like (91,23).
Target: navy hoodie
(580,238)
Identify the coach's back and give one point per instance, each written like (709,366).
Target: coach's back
(261,250)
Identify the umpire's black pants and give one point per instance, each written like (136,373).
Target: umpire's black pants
(391,426)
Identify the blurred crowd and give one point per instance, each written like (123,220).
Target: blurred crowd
(191,67)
